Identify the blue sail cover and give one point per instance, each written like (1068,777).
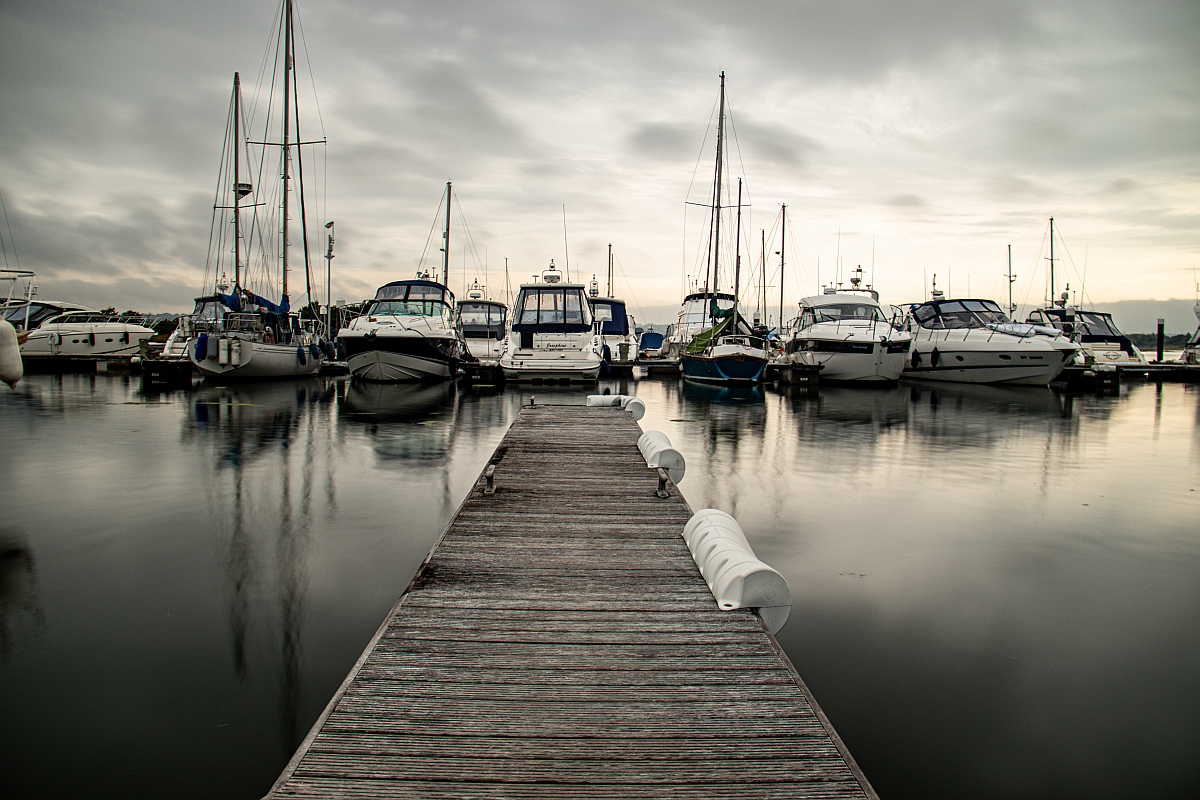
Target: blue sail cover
(231,301)
(278,310)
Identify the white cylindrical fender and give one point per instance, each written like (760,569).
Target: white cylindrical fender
(631,404)
(657,450)
(734,574)
(11,366)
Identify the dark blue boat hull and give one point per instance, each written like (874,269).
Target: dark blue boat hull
(730,370)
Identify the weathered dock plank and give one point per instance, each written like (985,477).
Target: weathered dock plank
(560,642)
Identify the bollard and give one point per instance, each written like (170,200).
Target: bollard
(735,576)
(489,477)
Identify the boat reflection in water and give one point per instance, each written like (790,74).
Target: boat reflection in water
(264,442)
(21,615)
(426,413)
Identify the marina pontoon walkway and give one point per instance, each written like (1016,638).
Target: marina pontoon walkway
(559,642)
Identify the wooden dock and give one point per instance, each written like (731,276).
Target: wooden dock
(559,642)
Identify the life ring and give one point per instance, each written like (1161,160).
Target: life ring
(268,336)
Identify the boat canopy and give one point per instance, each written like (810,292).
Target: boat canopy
(947,314)
(411,298)
(611,314)
(1092,327)
(698,307)
(549,308)
(650,340)
(1095,323)
(835,309)
(482,319)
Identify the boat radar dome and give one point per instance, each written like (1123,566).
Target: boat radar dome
(476,291)
(551,275)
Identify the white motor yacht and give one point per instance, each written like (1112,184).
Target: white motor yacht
(847,333)
(960,340)
(1094,331)
(552,338)
(407,333)
(483,323)
(87,334)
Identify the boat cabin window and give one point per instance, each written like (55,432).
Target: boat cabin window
(612,318)
(209,310)
(843,312)
(481,314)
(958,314)
(38,314)
(553,307)
(410,300)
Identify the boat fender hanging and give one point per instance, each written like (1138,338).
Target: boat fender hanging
(201,346)
(916,358)
(11,366)
(934,358)
(300,355)
(657,450)
(210,349)
(91,340)
(125,337)
(314,351)
(735,576)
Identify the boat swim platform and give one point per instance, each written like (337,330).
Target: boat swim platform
(559,642)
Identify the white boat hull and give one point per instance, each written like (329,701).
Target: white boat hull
(877,367)
(85,340)
(984,359)
(251,360)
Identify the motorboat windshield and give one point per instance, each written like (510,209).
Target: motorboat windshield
(1088,323)
(958,314)
(611,316)
(35,313)
(482,319)
(862,312)
(552,308)
(416,298)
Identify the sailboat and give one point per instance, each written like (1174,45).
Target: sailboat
(233,332)
(726,351)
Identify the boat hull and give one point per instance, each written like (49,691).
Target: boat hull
(1025,362)
(404,356)
(732,370)
(255,361)
(878,367)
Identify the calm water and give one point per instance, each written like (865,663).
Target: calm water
(996,591)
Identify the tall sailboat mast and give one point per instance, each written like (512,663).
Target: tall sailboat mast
(737,257)
(1011,307)
(446,237)
(237,184)
(782,259)
(286,150)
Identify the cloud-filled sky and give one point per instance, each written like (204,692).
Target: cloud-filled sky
(931,132)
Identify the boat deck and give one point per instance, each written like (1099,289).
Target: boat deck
(560,642)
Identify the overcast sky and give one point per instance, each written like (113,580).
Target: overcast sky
(939,131)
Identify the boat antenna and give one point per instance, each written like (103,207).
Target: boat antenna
(329,279)
(837,262)
(872,261)
(782,258)
(446,237)
(1052,259)
(566,250)
(610,267)
(737,258)
(1012,309)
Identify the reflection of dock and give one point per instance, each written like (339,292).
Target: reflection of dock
(560,641)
